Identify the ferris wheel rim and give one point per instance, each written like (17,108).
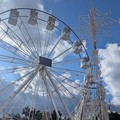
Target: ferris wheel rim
(53,16)
(67,49)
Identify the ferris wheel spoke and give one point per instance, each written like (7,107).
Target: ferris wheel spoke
(9,58)
(18,90)
(12,49)
(61,83)
(14,104)
(3,36)
(26,44)
(39,42)
(22,50)
(1,81)
(50,95)
(16,81)
(18,99)
(8,47)
(35,92)
(74,71)
(15,62)
(54,46)
(52,91)
(68,84)
(44,92)
(66,78)
(46,43)
(14,69)
(17,49)
(61,53)
(30,39)
(58,93)
(66,61)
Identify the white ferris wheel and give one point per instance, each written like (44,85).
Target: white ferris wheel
(40,59)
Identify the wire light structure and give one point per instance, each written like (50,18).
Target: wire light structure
(103,24)
(40,56)
(92,105)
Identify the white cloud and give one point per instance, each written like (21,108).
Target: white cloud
(110,65)
(36,99)
(6,4)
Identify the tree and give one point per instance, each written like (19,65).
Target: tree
(26,111)
(60,115)
(54,115)
(15,116)
(32,114)
(114,116)
(38,115)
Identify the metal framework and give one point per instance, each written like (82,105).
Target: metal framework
(101,24)
(42,59)
(92,105)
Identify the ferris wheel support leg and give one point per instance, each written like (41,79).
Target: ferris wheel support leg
(51,97)
(58,94)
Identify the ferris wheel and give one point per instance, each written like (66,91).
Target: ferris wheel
(40,59)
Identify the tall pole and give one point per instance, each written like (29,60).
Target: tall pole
(93,26)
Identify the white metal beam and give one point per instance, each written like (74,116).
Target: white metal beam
(50,95)
(54,85)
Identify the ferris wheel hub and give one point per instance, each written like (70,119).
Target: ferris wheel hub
(45,61)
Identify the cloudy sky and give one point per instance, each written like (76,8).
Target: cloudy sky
(70,12)
(108,44)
